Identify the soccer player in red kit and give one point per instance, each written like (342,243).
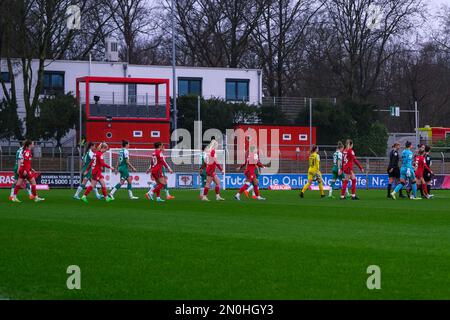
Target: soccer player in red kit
(97,164)
(211,164)
(251,164)
(156,168)
(26,173)
(421,166)
(349,158)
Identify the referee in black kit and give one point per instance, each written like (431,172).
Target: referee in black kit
(394,169)
(427,175)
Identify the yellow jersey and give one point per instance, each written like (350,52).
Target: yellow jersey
(314,162)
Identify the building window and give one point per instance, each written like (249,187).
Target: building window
(114,46)
(303,137)
(189,86)
(137,134)
(237,89)
(132,93)
(287,137)
(155,134)
(5,77)
(53,82)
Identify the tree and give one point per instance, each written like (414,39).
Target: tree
(35,29)
(357,51)
(56,127)
(279,35)
(10,124)
(348,120)
(132,20)
(215,113)
(216,32)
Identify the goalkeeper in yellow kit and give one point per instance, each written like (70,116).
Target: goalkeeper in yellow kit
(314,173)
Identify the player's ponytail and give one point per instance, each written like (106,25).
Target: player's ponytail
(314,148)
(349,143)
(103,145)
(27,143)
(89,145)
(213,145)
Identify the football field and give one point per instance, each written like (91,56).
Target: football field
(284,248)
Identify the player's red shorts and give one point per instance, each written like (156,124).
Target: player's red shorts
(211,171)
(26,174)
(348,170)
(250,174)
(419,174)
(97,175)
(157,174)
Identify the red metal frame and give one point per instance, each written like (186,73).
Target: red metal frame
(154,81)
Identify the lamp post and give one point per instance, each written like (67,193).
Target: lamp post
(174,87)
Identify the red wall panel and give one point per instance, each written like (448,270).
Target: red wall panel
(98,132)
(299,138)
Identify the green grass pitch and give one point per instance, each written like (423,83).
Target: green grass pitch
(284,248)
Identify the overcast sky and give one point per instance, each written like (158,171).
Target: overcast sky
(435,5)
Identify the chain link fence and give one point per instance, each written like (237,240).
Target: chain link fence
(291,160)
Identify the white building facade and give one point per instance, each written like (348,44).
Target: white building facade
(235,85)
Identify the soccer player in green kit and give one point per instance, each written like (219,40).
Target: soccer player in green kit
(203,174)
(19,156)
(90,152)
(338,173)
(123,165)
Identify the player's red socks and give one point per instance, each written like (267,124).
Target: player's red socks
(243,188)
(344,188)
(157,190)
(16,189)
(353,186)
(205,191)
(425,190)
(104,192)
(88,190)
(217,189)
(33,190)
(256,188)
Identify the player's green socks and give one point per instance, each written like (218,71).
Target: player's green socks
(166,189)
(79,189)
(333,184)
(28,187)
(130,192)
(116,187)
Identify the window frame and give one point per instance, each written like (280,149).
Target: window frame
(236,89)
(189,79)
(8,79)
(53,90)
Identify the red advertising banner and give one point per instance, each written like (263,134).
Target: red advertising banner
(6,179)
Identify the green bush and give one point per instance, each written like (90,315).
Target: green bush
(442,143)
(58,114)
(348,120)
(215,113)
(10,124)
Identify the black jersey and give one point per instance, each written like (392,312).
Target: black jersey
(394,158)
(428,161)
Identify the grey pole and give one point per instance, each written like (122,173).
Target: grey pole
(416,114)
(310,124)
(199,120)
(174,88)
